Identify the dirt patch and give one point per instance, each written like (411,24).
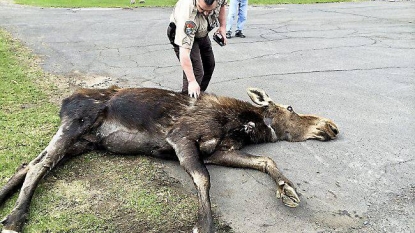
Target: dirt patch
(66,85)
(76,79)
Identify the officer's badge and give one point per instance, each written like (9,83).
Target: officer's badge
(190,28)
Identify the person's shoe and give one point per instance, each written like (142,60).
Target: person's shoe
(228,34)
(239,33)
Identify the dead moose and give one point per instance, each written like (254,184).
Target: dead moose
(165,124)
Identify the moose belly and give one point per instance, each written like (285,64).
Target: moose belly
(120,139)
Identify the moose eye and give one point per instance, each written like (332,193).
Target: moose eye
(289,108)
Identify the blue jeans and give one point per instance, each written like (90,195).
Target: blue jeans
(240,8)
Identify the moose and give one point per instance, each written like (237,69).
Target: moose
(162,123)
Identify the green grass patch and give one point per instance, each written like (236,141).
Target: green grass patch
(273,2)
(95,3)
(147,3)
(26,115)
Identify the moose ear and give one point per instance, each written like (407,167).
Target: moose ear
(259,96)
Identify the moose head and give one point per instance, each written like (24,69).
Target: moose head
(289,125)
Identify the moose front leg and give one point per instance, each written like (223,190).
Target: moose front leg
(188,156)
(234,158)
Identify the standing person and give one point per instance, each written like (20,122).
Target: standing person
(239,7)
(190,23)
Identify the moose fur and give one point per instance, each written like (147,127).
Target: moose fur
(165,124)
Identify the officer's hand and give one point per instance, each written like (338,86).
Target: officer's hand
(222,32)
(194,89)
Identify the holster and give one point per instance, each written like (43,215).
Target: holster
(171,33)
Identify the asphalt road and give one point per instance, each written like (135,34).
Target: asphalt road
(351,62)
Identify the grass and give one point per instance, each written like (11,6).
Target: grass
(94,3)
(95,192)
(148,3)
(26,115)
(272,2)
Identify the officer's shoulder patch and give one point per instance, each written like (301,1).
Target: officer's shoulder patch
(190,28)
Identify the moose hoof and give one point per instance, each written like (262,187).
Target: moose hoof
(6,224)
(287,194)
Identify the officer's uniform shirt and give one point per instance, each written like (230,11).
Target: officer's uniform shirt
(191,24)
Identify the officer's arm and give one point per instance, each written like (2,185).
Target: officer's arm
(186,63)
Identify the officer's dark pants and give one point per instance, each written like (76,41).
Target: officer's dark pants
(203,62)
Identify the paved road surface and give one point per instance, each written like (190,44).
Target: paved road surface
(351,62)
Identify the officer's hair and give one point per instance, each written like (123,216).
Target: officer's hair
(209,2)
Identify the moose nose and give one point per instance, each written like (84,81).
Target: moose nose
(333,127)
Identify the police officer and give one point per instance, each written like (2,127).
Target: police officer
(190,23)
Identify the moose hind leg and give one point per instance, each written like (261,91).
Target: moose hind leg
(285,188)
(15,220)
(16,181)
(13,183)
(60,146)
